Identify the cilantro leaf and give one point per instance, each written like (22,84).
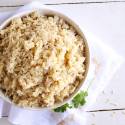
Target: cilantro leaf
(77,101)
(62,108)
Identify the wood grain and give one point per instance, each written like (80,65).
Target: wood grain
(3,9)
(94,118)
(13,3)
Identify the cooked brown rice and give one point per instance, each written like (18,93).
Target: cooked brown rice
(41,60)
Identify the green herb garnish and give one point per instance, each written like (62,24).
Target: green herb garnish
(78,100)
(62,108)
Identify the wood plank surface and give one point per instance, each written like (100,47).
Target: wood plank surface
(107,22)
(22,2)
(96,118)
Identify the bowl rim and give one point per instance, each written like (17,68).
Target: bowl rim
(50,11)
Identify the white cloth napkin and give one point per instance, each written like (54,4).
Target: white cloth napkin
(104,63)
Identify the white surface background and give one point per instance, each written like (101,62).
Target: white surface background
(107,23)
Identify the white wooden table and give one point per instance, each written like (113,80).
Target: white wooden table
(108,23)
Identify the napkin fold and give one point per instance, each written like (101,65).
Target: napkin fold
(104,62)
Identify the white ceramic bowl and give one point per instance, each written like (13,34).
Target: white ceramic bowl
(47,11)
